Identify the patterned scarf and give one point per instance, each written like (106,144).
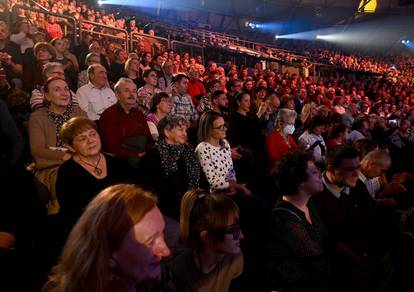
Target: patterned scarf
(170,154)
(59,120)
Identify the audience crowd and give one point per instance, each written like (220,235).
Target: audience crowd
(152,170)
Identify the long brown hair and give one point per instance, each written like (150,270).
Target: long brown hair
(84,262)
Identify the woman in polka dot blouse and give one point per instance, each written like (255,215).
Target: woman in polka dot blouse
(214,154)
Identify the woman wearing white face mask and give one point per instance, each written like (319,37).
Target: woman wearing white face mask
(281,140)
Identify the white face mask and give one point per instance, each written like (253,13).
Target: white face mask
(289,129)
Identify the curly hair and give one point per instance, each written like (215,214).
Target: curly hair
(290,171)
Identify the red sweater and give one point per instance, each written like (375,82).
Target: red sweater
(276,147)
(115,125)
(195,88)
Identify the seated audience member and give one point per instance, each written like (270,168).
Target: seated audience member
(298,259)
(166,80)
(171,167)
(372,173)
(281,140)
(96,96)
(123,126)
(195,86)
(133,72)
(399,138)
(161,105)
(205,101)
(183,105)
(10,55)
(91,58)
(312,139)
(44,134)
(43,53)
(348,211)
(214,154)
(287,101)
(52,69)
(69,62)
(219,102)
(209,226)
(270,115)
(338,136)
(245,126)
(93,47)
(116,68)
(359,130)
(306,115)
(146,60)
(88,172)
(53,29)
(116,245)
(235,88)
(245,132)
(146,92)
(22,36)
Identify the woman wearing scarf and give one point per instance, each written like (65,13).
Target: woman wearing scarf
(45,142)
(171,167)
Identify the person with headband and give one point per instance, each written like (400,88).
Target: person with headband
(209,226)
(116,245)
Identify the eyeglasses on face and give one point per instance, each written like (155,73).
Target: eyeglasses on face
(223,127)
(234,230)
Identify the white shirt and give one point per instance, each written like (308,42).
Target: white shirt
(307,140)
(94,100)
(217,164)
(373,185)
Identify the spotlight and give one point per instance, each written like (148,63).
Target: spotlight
(100,2)
(403,41)
(277,37)
(319,37)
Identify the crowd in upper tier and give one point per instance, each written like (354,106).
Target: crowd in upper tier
(120,167)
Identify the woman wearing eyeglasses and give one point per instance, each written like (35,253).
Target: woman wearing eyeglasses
(209,226)
(214,154)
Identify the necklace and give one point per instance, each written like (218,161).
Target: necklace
(96,169)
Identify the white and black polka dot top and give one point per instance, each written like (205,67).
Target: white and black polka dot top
(217,164)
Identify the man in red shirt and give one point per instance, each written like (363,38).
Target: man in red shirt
(123,127)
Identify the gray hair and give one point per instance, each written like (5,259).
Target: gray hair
(49,67)
(377,155)
(121,81)
(90,56)
(170,122)
(92,68)
(285,113)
